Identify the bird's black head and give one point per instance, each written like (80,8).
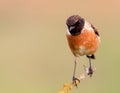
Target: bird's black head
(75,24)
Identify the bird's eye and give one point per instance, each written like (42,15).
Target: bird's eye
(80,21)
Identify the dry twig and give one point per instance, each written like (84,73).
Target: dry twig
(68,87)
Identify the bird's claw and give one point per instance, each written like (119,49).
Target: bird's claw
(75,81)
(90,71)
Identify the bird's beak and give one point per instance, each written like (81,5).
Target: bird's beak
(71,28)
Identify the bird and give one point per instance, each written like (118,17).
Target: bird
(83,39)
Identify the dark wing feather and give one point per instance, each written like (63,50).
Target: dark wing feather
(95,30)
(91,56)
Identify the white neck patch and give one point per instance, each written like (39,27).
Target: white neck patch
(88,26)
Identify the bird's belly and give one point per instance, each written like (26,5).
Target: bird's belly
(82,51)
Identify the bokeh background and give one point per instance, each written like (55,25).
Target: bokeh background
(35,57)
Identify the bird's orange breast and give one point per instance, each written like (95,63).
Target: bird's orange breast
(84,44)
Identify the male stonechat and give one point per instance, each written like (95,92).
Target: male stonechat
(83,39)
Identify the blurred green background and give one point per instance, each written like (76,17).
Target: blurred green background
(34,55)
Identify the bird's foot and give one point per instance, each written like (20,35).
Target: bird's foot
(90,71)
(75,81)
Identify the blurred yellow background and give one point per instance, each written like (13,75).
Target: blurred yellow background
(34,55)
